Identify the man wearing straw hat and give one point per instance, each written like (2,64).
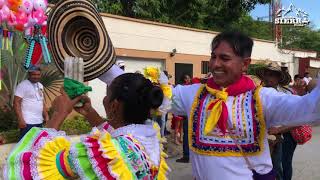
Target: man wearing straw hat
(283,147)
(273,76)
(229,116)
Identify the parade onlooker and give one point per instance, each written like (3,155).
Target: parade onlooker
(176,125)
(284,145)
(299,85)
(165,116)
(185,80)
(307,78)
(272,76)
(2,140)
(195,80)
(29,102)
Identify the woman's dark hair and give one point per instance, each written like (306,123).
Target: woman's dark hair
(138,96)
(240,43)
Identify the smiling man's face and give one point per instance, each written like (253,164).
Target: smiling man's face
(226,66)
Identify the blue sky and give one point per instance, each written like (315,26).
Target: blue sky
(310,6)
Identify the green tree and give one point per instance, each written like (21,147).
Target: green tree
(300,37)
(253,28)
(203,14)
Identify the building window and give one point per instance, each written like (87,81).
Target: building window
(204,67)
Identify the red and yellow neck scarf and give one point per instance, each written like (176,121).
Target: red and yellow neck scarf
(218,108)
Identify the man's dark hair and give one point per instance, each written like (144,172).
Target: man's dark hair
(306,73)
(297,76)
(239,42)
(183,77)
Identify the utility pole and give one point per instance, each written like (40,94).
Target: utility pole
(276,28)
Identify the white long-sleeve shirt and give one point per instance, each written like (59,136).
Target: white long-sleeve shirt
(278,109)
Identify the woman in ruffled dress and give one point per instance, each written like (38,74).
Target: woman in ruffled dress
(125,147)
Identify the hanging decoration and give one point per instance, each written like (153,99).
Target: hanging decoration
(27,16)
(37,45)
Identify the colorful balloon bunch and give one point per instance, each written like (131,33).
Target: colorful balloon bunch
(27,16)
(23,15)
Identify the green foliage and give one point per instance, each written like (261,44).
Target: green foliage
(257,29)
(11,136)
(301,38)
(8,119)
(292,37)
(75,126)
(254,67)
(203,14)
(52,81)
(13,72)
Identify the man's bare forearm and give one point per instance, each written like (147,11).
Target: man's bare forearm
(17,109)
(45,113)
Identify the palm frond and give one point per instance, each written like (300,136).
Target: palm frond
(13,72)
(52,81)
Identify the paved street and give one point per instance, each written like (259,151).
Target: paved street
(306,162)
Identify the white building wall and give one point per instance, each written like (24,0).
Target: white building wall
(315,64)
(296,66)
(136,35)
(301,54)
(151,37)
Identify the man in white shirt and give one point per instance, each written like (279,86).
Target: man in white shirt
(229,117)
(29,102)
(306,78)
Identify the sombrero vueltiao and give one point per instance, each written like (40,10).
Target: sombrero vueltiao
(285,77)
(76,29)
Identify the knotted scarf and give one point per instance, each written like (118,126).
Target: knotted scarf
(217,107)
